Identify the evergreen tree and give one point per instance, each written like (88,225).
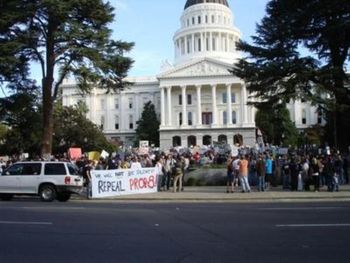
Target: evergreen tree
(64,37)
(276,71)
(275,123)
(148,125)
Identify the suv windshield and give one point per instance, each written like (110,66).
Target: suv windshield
(73,169)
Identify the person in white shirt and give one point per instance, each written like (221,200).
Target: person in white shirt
(135,164)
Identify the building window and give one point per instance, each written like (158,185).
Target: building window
(180,118)
(199,45)
(188,46)
(319,118)
(207,43)
(214,44)
(189,117)
(188,22)
(130,103)
(189,99)
(102,122)
(224,117)
(206,19)
(199,20)
(233,98)
(116,104)
(207,118)
(116,125)
(193,21)
(180,99)
(224,97)
(102,104)
(131,122)
(212,19)
(303,116)
(234,117)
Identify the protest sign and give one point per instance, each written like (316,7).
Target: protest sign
(94,156)
(111,183)
(74,153)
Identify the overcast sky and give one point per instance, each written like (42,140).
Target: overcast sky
(151,25)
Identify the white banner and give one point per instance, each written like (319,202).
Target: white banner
(110,183)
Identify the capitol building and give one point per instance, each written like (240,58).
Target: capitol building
(198,101)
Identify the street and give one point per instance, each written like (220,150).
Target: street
(105,231)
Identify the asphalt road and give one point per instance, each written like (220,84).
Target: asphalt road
(82,231)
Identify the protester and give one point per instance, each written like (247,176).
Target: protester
(177,175)
(243,173)
(260,169)
(229,180)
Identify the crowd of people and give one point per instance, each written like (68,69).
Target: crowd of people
(246,169)
(295,172)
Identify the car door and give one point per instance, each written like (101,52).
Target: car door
(30,178)
(9,179)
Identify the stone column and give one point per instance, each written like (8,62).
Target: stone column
(229,104)
(170,123)
(213,94)
(184,104)
(193,44)
(210,41)
(162,106)
(199,106)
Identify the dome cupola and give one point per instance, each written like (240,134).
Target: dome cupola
(195,2)
(207,31)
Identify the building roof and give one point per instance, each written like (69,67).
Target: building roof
(190,3)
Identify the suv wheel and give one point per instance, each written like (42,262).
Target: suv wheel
(63,197)
(6,197)
(47,193)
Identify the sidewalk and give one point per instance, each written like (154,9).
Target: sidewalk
(217,194)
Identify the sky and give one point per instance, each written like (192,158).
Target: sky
(151,25)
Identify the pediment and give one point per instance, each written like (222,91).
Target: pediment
(202,68)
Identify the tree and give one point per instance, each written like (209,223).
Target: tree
(64,37)
(148,125)
(276,71)
(21,117)
(21,114)
(73,129)
(276,125)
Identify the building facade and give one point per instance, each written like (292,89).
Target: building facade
(198,101)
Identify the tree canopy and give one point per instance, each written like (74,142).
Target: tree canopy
(300,51)
(65,38)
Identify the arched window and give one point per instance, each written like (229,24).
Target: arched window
(207,140)
(238,140)
(191,141)
(222,139)
(176,141)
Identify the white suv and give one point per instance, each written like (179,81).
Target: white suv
(49,180)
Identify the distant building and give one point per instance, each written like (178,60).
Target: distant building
(198,101)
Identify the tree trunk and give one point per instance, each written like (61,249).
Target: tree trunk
(47,134)
(48,98)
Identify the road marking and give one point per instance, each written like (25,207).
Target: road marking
(314,225)
(24,223)
(302,208)
(52,208)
